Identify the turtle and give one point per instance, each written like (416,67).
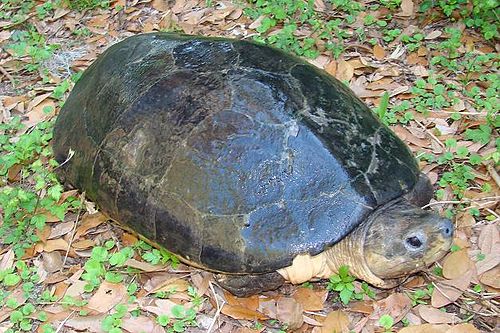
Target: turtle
(248,162)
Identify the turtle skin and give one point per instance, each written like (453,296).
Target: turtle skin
(235,156)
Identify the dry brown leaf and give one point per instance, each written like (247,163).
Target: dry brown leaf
(240,312)
(88,222)
(336,322)
(448,291)
(488,237)
(7,260)
(83,244)
(60,229)
(143,266)
(425,328)
(433,34)
(463,328)
(52,261)
(107,296)
(4,35)
(435,316)
(345,71)
(396,305)
(490,261)
(251,302)
(378,52)
(37,100)
(87,323)
(160,5)
(267,306)
(311,321)
(491,278)
(456,264)
(361,307)
(178,285)
(248,330)
(58,244)
(309,299)
(201,281)
(331,68)
(128,239)
(407,8)
(289,311)
(76,289)
(141,324)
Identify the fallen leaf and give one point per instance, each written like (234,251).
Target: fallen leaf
(463,328)
(488,237)
(490,278)
(378,52)
(83,244)
(7,260)
(160,5)
(60,229)
(76,289)
(141,324)
(289,311)
(239,312)
(108,296)
(251,302)
(448,291)
(87,323)
(345,71)
(435,316)
(52,261)
(396,305)
(433,34)
(336,322)
(143,266)
(331,68)
(456,264)
(58,244)
(309,299)
(407,8)
(88,222)
(425,328)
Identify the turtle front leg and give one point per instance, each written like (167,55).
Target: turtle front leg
(247,285)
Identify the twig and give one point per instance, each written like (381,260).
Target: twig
(8,76)
(61,325)
(495,198)
(73,230)
(493,173)
(219,307)
(430,133)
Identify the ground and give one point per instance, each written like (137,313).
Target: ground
(429,69)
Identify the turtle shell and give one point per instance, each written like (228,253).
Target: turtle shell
(232,155)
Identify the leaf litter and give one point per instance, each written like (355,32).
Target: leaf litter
(461,297)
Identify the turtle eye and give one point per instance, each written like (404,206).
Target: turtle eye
(414,242)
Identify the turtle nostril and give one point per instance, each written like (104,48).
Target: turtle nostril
(447,229)
(414,242)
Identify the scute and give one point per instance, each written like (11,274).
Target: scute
(233,155)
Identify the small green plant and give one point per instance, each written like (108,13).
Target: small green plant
(391,4)
(421,296)
(481,14)
(391,34)
(112,322)
(179,320)
(86,4)
(30,44)
(386,321)
(343,284)
(412,42)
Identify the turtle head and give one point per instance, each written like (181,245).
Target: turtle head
(402,238)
